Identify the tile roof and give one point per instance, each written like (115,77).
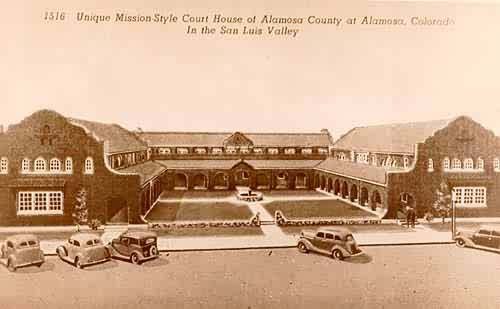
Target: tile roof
(147,170)
(283,164)
(214,139)
(393,138)
(117,138)
(199,164)
(357,170)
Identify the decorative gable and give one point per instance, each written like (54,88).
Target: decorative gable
(237,139)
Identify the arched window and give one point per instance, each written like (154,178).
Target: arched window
(89,166)
(4,165)
(456,164)
(40,165)
(468,164)
(480,163)
(406,162)
(69,165)
(25,165)
(496,164)
(446,163)
(55,165)
(430,165)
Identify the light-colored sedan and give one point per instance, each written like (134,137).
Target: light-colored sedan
(83,249)
(21,250)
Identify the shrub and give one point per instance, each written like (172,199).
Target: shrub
(94,224)
(429,216)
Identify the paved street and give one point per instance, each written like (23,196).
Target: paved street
(430,276)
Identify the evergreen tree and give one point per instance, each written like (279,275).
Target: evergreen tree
(80,210)
(442,205)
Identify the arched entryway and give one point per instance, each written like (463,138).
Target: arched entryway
(354,193)
(221,181)
(336,187)
(364,197)
(262,181)
(281,180)
(323,182)
(242,178)
(300,181)
(200,182)
(180,181)
(376,200)
(345,190)
(329,187)
(316,181)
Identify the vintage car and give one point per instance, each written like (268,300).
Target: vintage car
(486,237)
(83,249)
(334,241)
(135,246)
(22,250)
(246,194)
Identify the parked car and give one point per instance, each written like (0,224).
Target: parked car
(22,250)
(135,246)
(336,242)
(83,249)
(487,237)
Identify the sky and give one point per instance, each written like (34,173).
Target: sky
(158,77)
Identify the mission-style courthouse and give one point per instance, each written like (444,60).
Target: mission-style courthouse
(47,158)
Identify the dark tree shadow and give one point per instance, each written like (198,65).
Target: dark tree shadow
(360,259)
(33,269)
(102,266)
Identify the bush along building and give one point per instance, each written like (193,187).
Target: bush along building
(388,167)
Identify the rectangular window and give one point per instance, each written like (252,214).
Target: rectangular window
(272,150)
(258,150)
(182,151)
(200,150)
(230,149)
(244,149)
(40,203)
(307,151)
(323,150)
(290,151)
(469,196)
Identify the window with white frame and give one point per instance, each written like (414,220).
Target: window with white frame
(469,196)
(446,163)
(306,151)
(89,166)
(4,165)
(395,163)
(374,159)
(55,165)
(200,150)
(496,164)
(164,151)
(244,149)
(430,165)
(362,157)
(182,151)
(456,164)
(273,151)
(323,150)
(290,151)
(480,163)
(230,149)
(40,165)
(258,150)
(25,165)
(341,156)
(216,150)
(68,165)
(468,164)
(40,203)
(406,162)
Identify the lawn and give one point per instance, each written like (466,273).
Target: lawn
(175,195)
(316,209)
(292,193)
(198,211)
(367,228)
(210,231)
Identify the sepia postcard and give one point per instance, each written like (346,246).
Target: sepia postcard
(249,154)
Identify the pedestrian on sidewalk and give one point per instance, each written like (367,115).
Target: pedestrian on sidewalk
(408,216)
(412,215)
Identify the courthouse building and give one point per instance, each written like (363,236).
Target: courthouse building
(46,159)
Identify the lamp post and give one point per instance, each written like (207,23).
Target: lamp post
(453,220)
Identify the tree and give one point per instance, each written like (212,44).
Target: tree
(80,210)
(442,205)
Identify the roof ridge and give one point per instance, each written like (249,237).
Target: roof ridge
(409,123)
(214,133)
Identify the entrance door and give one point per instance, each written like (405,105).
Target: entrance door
(117,211)
(242,178)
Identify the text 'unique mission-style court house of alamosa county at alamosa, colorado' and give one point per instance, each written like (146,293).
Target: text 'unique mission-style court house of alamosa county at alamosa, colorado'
(47,158)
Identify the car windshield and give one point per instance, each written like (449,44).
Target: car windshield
(31,242)
(93,242)
(23,244)
(148,241)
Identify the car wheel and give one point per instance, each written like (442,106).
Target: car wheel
(337,254)
(302,247)
(134,259)
(78,263)
(153,251)
(11,266)
(460,242)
